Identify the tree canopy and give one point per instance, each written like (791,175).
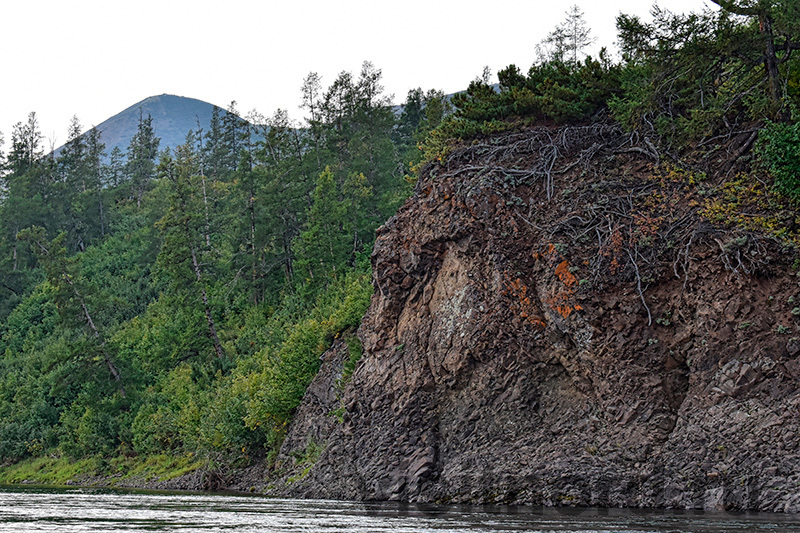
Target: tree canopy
(150,298)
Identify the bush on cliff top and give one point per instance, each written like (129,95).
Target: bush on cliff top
(555,90)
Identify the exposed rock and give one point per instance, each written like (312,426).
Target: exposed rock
(311,426)
(517,350)
(314,420)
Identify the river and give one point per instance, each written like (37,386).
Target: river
(68,510)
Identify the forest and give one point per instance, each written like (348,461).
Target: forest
(175,303)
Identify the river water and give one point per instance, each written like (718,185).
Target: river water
(68,510)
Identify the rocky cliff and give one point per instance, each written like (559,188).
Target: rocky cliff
(556,321)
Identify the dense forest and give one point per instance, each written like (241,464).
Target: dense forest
(175,303)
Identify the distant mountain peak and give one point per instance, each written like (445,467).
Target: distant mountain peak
(173,117)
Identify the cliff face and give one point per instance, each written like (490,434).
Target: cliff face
(554,323)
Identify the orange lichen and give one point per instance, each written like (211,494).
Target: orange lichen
(518,291)
(563,273)
(561,300)
(549,252)
(614,249)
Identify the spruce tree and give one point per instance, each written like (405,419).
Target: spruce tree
(183,252)
(568,40)
(142,153)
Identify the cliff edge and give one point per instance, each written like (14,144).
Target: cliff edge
(556,321)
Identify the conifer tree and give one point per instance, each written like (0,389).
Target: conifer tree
(2,164)
(142,153)
(26,145)
(568,40)
(284,191)
(27,191)
(233,136)
(312,104)
(183,251)
(213,153)
(115,171)
(322,248)
(95,152)
(779,26)
(72,187)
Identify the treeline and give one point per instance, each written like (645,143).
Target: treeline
(178,300)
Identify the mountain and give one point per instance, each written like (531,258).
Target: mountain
(173,116)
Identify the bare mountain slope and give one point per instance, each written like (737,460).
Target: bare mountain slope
(173,117)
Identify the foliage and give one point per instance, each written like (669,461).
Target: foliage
(689,79)
(266,397)
(744,202)
(778,148)
(554,90)
(178,303)
(422,114)
(355,351)
(48,470)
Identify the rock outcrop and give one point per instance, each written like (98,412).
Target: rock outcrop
(555,323)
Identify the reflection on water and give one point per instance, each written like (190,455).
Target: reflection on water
(73,510)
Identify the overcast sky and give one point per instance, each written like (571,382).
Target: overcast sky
(94,58)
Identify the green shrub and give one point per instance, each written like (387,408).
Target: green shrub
(778,149)
(355,351)
(171,417)
(94,425)
(556,90)
(249,410)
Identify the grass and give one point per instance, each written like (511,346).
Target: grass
(156,467)
(47,471)
(62,470)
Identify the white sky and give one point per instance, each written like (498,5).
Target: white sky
(94,58)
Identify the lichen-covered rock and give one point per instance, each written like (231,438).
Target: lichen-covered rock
(577,335)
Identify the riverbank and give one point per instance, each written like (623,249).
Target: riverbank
(158,472)
(632,342)
(152,472)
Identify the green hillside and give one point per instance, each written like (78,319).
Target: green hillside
(178,301)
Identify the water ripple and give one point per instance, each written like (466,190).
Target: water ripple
(92,510)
